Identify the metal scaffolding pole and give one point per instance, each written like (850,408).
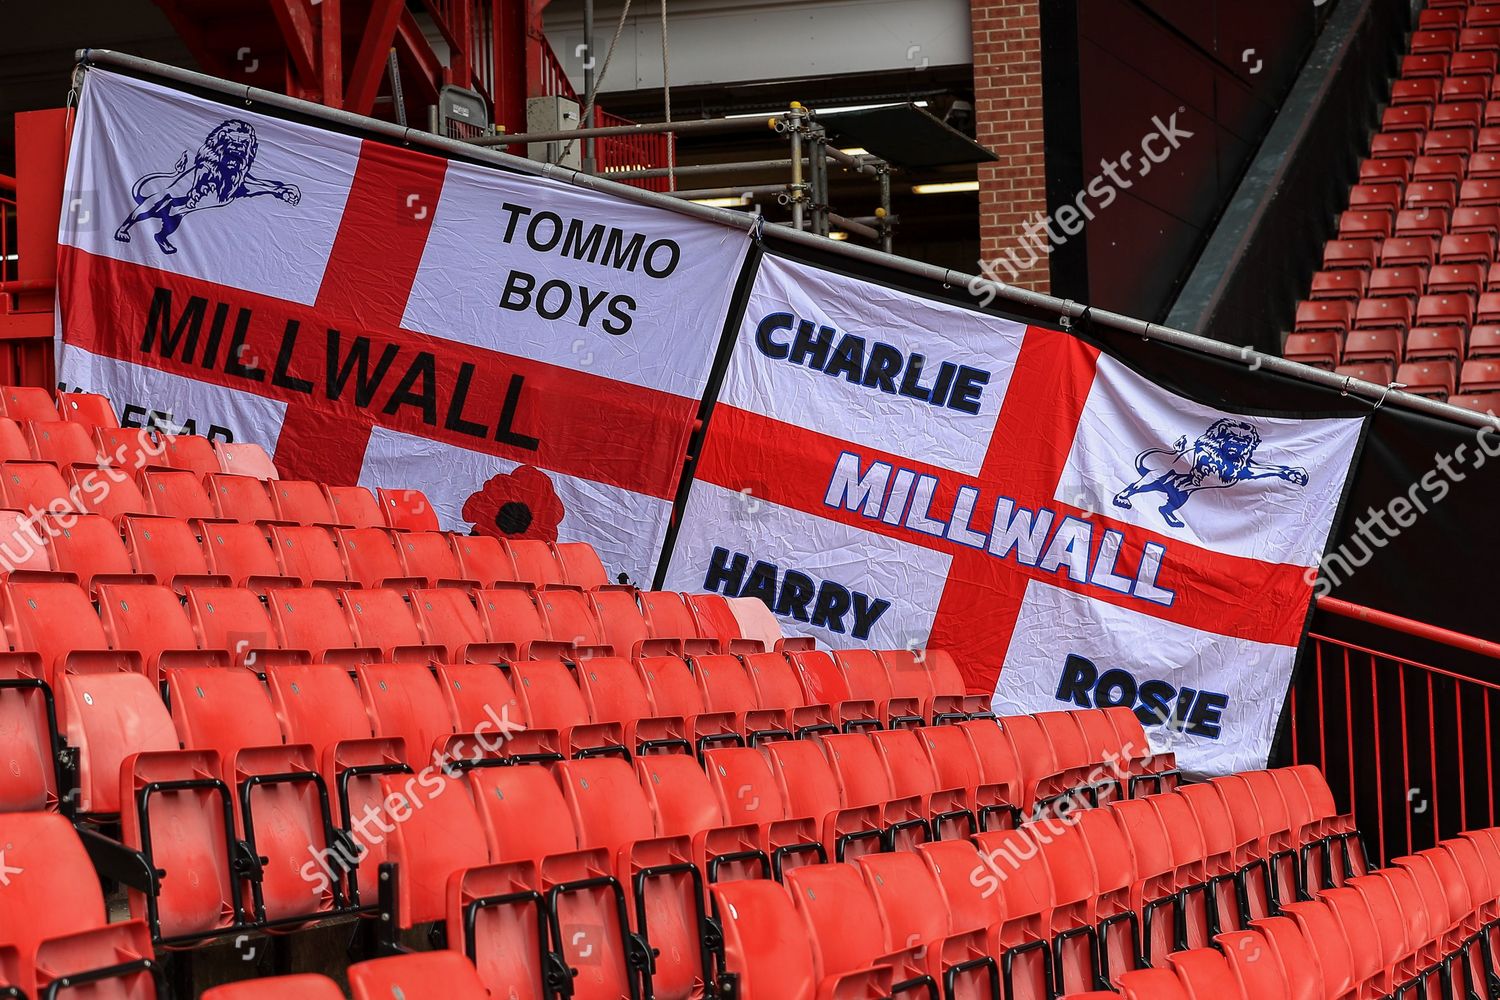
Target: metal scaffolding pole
(1020,298)
(610,131)
(700,168)
(589,163)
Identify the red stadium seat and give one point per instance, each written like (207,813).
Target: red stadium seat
(1397,143)
(448,618)
(1435,343)
(428,556)
(175,493)
(581,565)
(570,618)
(1455,279)
(108,492)
(1383,314)
(371,559)
(241,553)
(245,459)
(1405,282)
(355,506)
(1378,373)
(1484,341)
(128,448)
(311,619)
(300,502)
(1320,350)
(190,452)
(1409,251)
(35,486)
(1435,378)
(1350,254)
(55,922)
(1430,65)
(535,562)
(87,408)
(26,403)
(234,620)
(61,442)
(89,548)
(302,987)
(406,703)
(151,620)
(436,975)
(407,510)
(57,621)
(1479,402)
(1422,90)
(279,808)
(1445,310)
(107,717)
(13,446)
(307,554)
(1373,345)
(1480,376)
(239,498)
(484,559)
(1344,283)
(382,619)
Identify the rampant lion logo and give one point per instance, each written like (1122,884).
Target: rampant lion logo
(218,175)
(1222,456)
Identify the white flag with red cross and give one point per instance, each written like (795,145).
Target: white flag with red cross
(891,470)
(530,355)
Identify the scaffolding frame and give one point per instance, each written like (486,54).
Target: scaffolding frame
(806,192)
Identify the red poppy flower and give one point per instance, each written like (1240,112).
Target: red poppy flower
(519,504)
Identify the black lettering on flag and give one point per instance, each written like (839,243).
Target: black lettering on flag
(455,419)
(620,307)
(161,329)
(796,593)
(504,431)
(517,294)
(339,369)
(215,334)
(232,365)
(423,368)
(280,376)
(582,247)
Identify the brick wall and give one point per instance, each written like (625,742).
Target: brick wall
(1008,118)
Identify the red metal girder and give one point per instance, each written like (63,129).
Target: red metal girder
(370,62)
(409,38)
(510,54)
(190,29)
(300,36)
(332,52)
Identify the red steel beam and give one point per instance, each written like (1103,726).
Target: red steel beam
(298,33)
(370,63)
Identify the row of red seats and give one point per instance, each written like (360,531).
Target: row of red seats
(65,442)
(237,791)
(53,629)
(1409,281)
(1397,313)
(1422,927)
(1051,907)
(58,937)
(1424,251)
(89,488)
(1450,39)
(90,549)
(1330,348)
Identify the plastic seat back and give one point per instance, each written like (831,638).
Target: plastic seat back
(61,442)
(310,618)
(370,556)
(765,943)
(239,498)
(427,555)
(245,459)
(242,553)
(407,510)
(191,453)
(405,702)
(176,493)
(35,486)
(535,562)
(381,619)
(300,501)
(438,837)
(87,408)
(513,614)
(307,554)
(150,618)
(570,617)
(165,548)
(581,565)
(354,505)
(301,987)
(484,559)
(108,717)
(26,403)
(621,619)
(90,548)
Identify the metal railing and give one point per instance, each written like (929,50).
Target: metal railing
(1408,745)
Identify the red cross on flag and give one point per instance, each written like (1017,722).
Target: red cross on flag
(377,315)
(890,470)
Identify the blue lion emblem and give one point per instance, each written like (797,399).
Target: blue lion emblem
(1222,456)
(218,175)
